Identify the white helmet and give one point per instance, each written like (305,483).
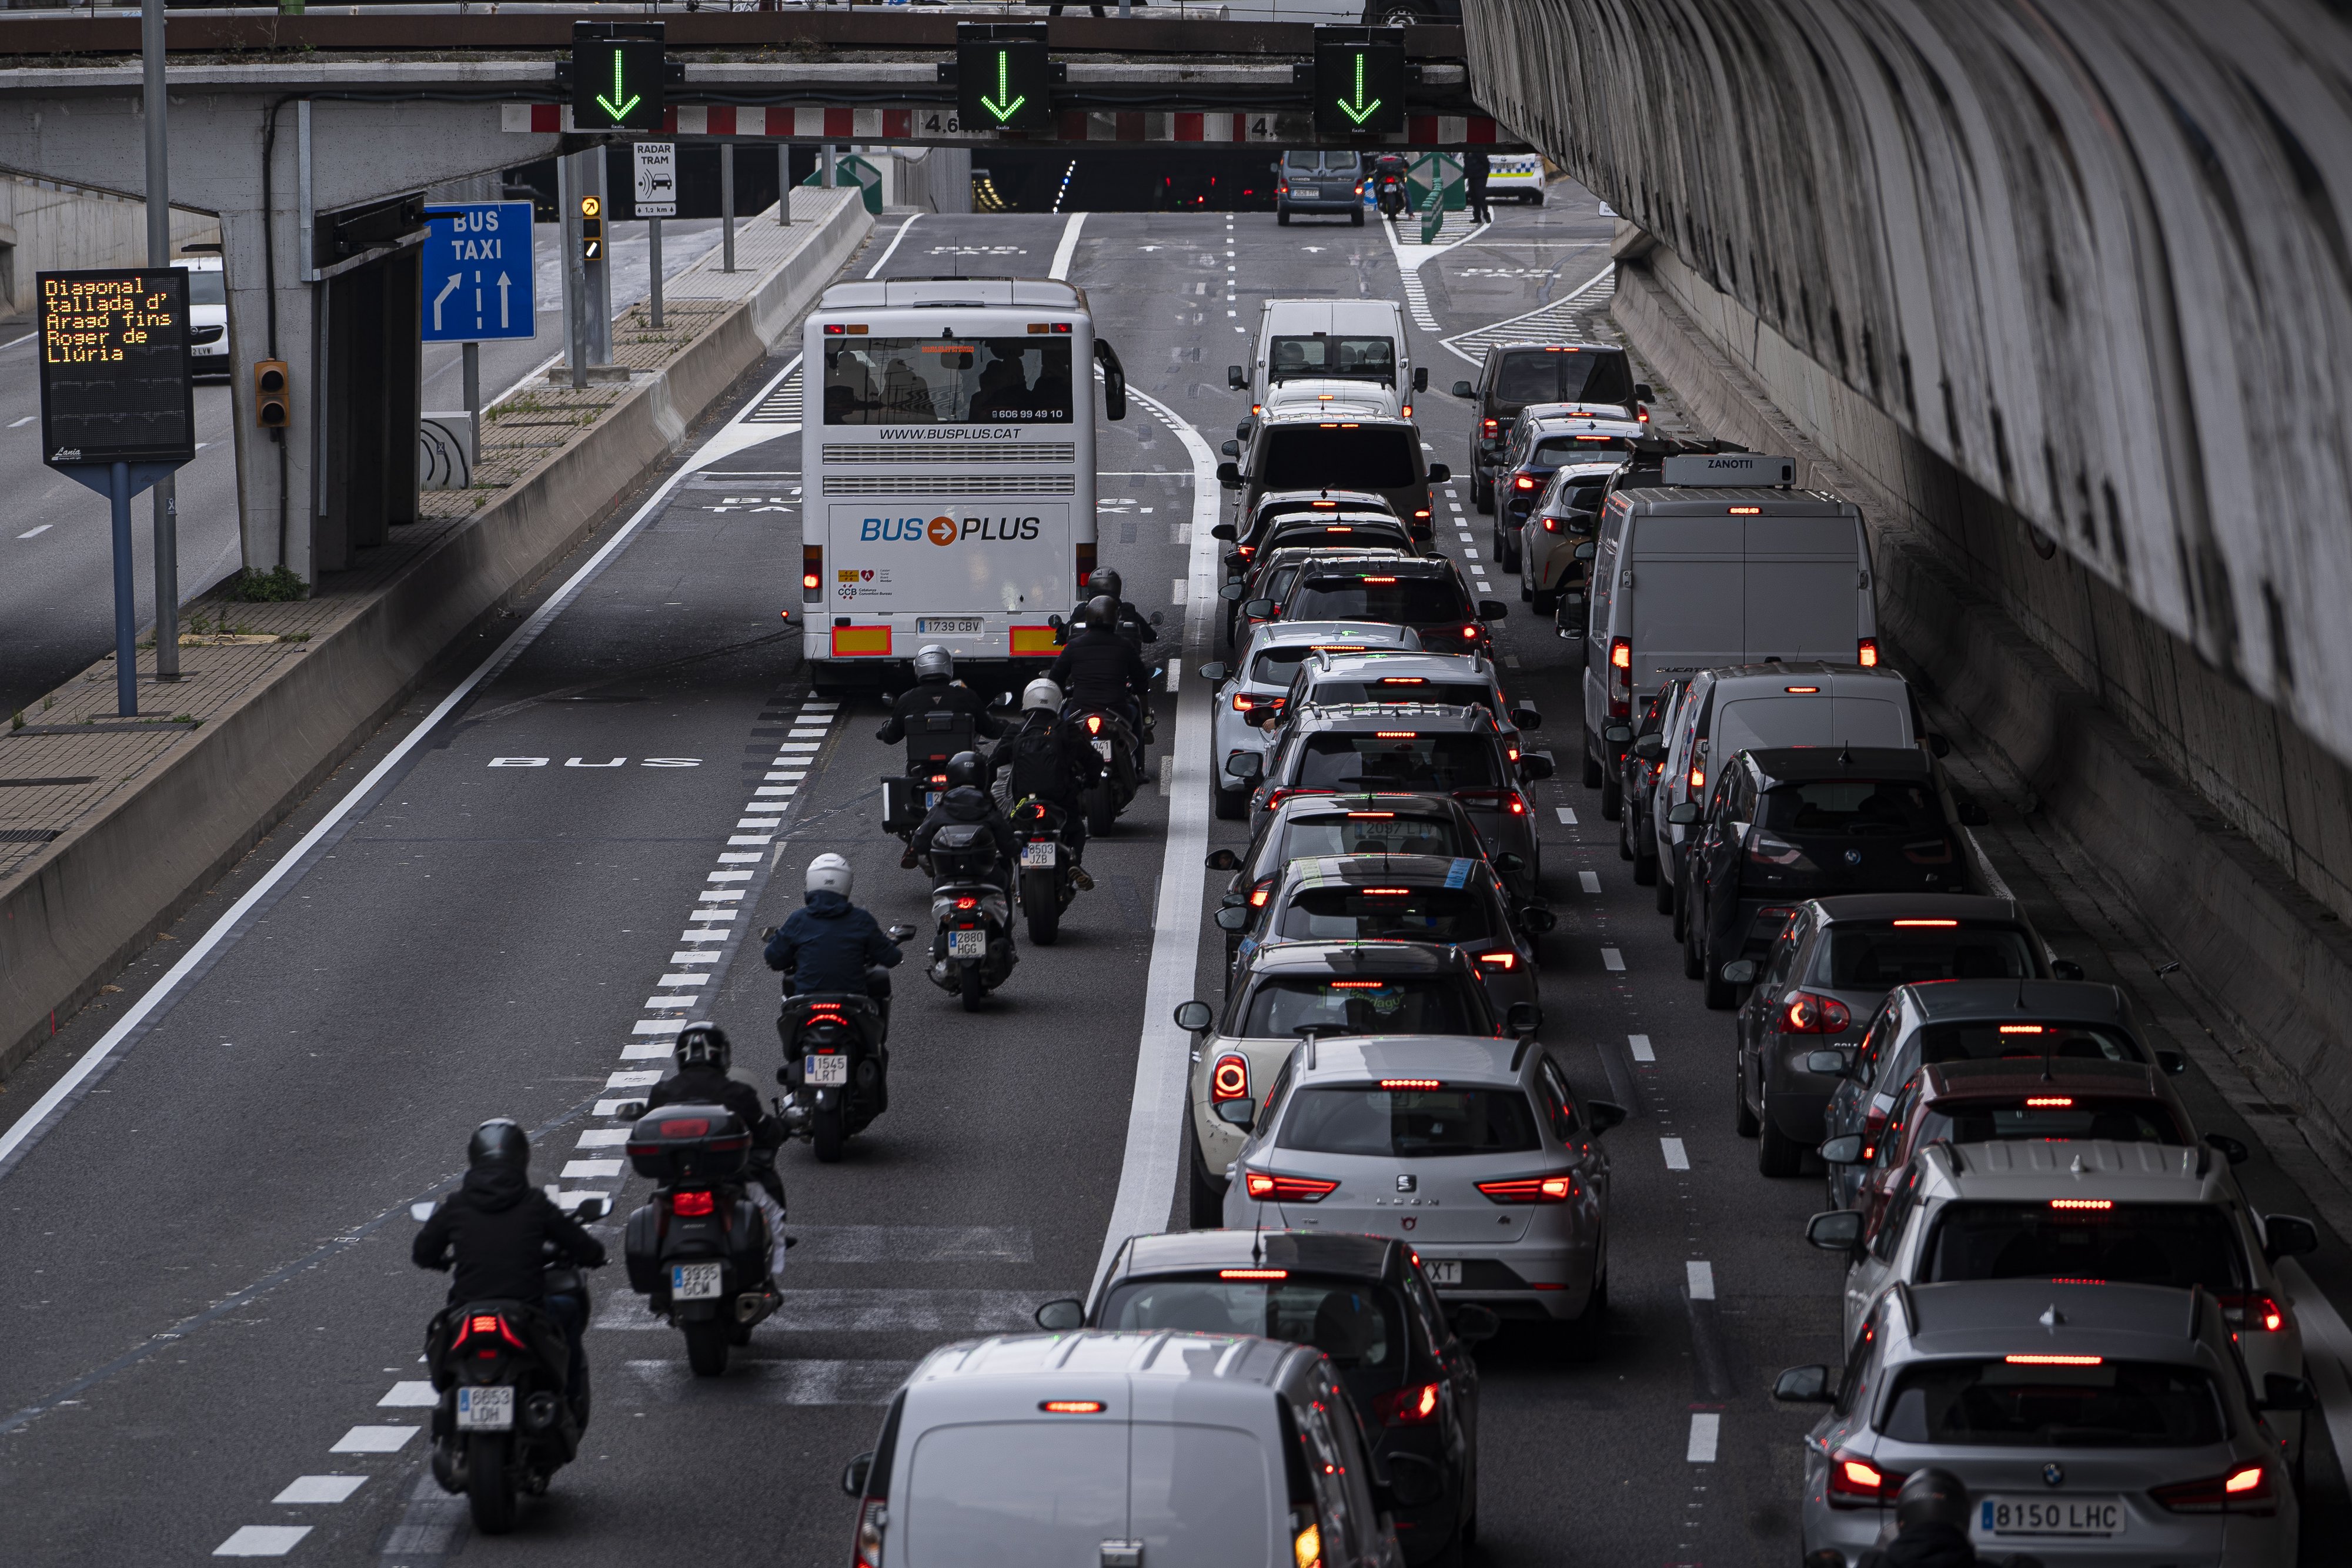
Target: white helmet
(1041,694)
(829,874)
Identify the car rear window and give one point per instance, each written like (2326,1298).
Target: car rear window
(2056,1115)
(1563,375)
(1750,724)
(1407,914)
(1276,666)
(2005,1404)
(1882,957)
(1363,457)
(1998,1039)
(1037,1491)
(1852,807)
(1410,1123)
(1374,832)
(2172,1244)
(1358,1324)
(1375,535)
(1554,450)
(1396,760)
(1406,689)
(1433,1004)
(1397,600)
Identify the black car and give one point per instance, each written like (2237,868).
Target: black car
(1429,595)
(1516,374)
(1637,778)
(1362,1301)
(1786,824)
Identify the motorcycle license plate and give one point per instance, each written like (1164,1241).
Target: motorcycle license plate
(1102,747)
(1039,852)
(485,1409)
(2050,1516)
(930,799)
(937,624)
(968,944)
(694,1281)
(1444,1270)
(817,1071)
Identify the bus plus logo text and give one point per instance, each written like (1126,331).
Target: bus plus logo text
(946,530)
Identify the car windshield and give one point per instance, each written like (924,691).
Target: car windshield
(2171,1244)
(1991,1040)
(1410,1123)
(1850,807)
(1881,957)
(1554,450)
(1341,356)
(1370,457)
(1373,833)
(1358,1324)
(948,380)
(207,287)
(2016,1404)
(1397,760)
(2116,1118)
(1309,161)
(1430,1004)
(1409,914)
(1563,375)
(1405,689)
(1397,601)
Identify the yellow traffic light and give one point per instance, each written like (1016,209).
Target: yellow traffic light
(592,206)
(272,406)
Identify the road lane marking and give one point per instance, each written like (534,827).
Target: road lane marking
(884,259)
(319,1489)
(1613,960)
(262,1541)
(791,1382)
(374,1440)
(1567,815)
(868,1310)
(636,1080)
(1705,1429)
(1699,1279)
(1641,1044)
(592,1170)
(1067,248)
(416,1396)
(31,533)
(1677,1157)
(602,1137)
(1589,880)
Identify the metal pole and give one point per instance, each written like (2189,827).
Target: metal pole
(831,179)
(653,260)
(126,607)
(469,358)
(600,272)
(726,207)
(575,287)
(159,254)
(784,183)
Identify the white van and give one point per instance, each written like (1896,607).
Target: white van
(1330,340)
(1128,1450)
(207,310)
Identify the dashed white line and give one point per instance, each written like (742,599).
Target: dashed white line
(415,1395)
(1589,880)
(1641,1044)
(1567,816)
(262,1541)
(601,1138)
(1705,1429)
(1677,1157)
(1613,960)
(1699,1279)
(590,1170)
(629,1080)
(19,423)
(29,533)
(319,1489)
(377,1440)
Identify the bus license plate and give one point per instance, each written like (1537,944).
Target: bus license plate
(968,944)
(2050,1516)
(1444,1270)
(694,1281)
(485,1409)
(937,624)
(820,1071)
(1039,852)
(1102,747)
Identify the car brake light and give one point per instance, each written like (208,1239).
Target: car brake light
(812,572)
(1901,924)
(871,1515)
(1287,1188)
(1492,425)
(2254,1313)
(1229,1079)
(1621,653)
(1530,1190)
(1307,1547)
(692,1204)
(1406,1406)
(2246,1490)
(1259,894)
(2049,1101)
(1411,1083)
(1505,962)
(1551,525)
(1854,1482)
(2020,1028)
(1070,1407)
(1866,653)
(1524,481)
(1803,691)
(2045,1358)
(1697,780)
(1252,1273)
(1396,735)
(1471,629)
(2099,1205)
(1809,1014)
(1244,702)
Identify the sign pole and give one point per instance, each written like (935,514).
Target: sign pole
(600,272)
(470,357)
(159,254)
(655,198)
(126,608)
(784,184)
(575,284)
(727,205)
(653,260)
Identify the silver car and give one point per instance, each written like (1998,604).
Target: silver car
(2090,1423)
(1261,679)
(1470,680)
(1474,1150)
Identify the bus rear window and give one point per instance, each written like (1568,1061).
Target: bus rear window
(948,380)
(1309,457)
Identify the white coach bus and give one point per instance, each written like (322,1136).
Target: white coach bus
(947,473)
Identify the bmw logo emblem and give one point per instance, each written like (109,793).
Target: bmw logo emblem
(1853,857)
(2053,1474)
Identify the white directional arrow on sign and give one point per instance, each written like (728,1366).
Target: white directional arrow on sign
(503,282)
(446,290)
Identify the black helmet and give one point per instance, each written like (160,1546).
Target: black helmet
(965,767)
(1931,1496)
(933,663)
(1102,611)
(702,1045)
(1105,581)
(499,1141)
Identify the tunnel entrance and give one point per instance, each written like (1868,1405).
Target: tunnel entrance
(369,361)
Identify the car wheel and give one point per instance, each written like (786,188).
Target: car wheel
(1777,1154)
(1355,218)
(1625,835)
(1482,496)
(1612,796)
(1509,553)
(1743,1120)
(1673,902)
(1693,964)
(1722,996)
(1545,602)
(1527,594)
(1232,805)
(1591,761)
(1664,898)
(1282,216)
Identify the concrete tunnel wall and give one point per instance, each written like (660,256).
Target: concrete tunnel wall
(2064,288)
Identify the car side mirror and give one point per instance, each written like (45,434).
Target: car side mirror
(2066,969)
(1973,815)
(2282,1391)
(1537,919)
(1222,859)
(1420,378)
(1242,1114)
(1440,474)
(1463,389)
(1225,531)
(1617,734)
(1527,717)
(1231,592)
(900,932)
(1604,1115)
(1827,1063)
(1259,608)
(2231,1149)
(1844,1151)
(1641,392)
(1683,813)
(1215,674)
(629,1110)
(1413,1481)
(1536,765)
(1585,552)
(1474,1324)
(1739,972)
(1804,1386)
(1651,747)
(1234,917)
(1235,380)
(1492,610)
(1245,765)
(2173,1063)
(1522,1019)
(852,1476)
(1193,1016)
(1229,475)
(1241,430)
(1231,448)
(1063,1316)
(2288,1236)
(596,1206)
(1938,746)
(1506,862)
(1838,1230)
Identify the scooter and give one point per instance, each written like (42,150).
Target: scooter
(1049,875)
(836,1062)
(932,739)
(1114,741)
(1388,186)
(697,1250)
(972,952)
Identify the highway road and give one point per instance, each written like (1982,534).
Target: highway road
(209,1294)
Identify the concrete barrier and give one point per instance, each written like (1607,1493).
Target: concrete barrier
(95,894)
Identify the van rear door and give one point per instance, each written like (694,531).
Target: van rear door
(1040,1491)
(1687,596)
(1804,592)
(1200,1496)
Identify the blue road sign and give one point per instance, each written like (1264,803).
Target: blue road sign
(477,272)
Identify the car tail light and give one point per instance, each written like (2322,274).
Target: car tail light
(1307,1547)
(1901,924)
(1244,702)
(2246,1490)
(1642,412)
(1252,1273)
(1620,677)
(1287,1188)
(1550,524)
(692,1204)
(1229,1079)
(1697,780)
(1424,1083)
(1071,1407)
(2049,1101)
(2097,1205)
(1524,481)
(1505,962)
(1261,892)
(1858,1483)
(1411,1407)
(1806,1013)
(1865,653)
(1276,797)
(1085,554)
(1530,1190)
(2046,1358)
(871,1516)
(811,573)
(1490,425)
(2254,1313)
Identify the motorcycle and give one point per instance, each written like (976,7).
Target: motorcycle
(506,1420)
(971,954)
(1048,874)
(836,1062)
(932,739)
(1388,186)
(697,1250)
(1114,741)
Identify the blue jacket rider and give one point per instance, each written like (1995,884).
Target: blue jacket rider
(829,943)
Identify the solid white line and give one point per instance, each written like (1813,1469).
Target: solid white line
(23,1129)
(18,423)
(1613,960)
(1641,1044)
(1677,1157)
(1706,1429)
(1699,1277)
(1155,1120)
(884,259)
(1061,269)
(13,341)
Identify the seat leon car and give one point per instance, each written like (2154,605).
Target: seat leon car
(1475,1150)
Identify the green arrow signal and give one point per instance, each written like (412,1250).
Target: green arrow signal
(999,107)
(619,110)
(1360,111)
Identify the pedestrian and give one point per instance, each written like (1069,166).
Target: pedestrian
(1476,167)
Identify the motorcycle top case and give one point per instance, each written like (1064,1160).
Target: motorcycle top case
(689,1143)
(962,852)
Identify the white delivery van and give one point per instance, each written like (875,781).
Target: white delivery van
(207,310)
(1329,340)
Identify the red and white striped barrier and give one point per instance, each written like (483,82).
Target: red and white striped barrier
(936,125)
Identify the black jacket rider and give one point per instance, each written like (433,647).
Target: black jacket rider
(1099,668)
(703,1085)
(936,696)
(494,1229)
(964,803)
(1057,770)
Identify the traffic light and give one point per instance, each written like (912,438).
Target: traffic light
(1359,84)
(1003,81)
(272,405)
(591,228)
(618,71)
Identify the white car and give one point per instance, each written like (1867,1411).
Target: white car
(207,313)
(1517,176)
(1261,677)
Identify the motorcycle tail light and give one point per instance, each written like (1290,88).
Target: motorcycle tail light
(1411,1407)
(1094,724)
(692,1204)
(967,902)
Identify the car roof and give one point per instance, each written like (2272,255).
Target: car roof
(1555,347)
(1021,1365)
(2073,1001)
(1580,418)
(1441,718)
(1368,499)
(1338,516)
(1835,679)
(1392,800)
(1884,906)
(1706,501)
(1454,666)
(1428,871)
(2030,1171)
(1185,1251)
(2025,1317)
(2007,1077)
(1284,634)
(1795,763)
(1444,1057)
(1356,956)
(1418,565)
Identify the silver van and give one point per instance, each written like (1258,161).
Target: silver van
(1104,1449)
(1329,340)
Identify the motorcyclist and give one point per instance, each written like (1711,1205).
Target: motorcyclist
(1125,620)
(1931,1529)
(1049,757)
(967,800)
(1099,668)
(1390,166)
(936,690)
(495,1231)
(703,1054)
(830,944)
